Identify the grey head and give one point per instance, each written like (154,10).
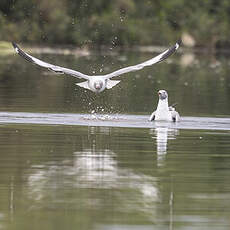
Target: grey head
(98,85)
(162,94)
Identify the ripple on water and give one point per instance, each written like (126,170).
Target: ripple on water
(113,120)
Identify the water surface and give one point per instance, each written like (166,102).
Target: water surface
(200,87)
(78,177)
(112,120)
(72,159)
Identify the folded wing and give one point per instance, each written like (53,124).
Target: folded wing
(54,68)
(152,117)
(150,62)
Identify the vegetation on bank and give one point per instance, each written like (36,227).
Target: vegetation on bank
(117,22)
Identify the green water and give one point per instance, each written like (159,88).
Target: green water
(106,178)
(85,177)
(200,89)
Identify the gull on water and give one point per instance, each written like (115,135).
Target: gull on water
(164,112)
(97,83)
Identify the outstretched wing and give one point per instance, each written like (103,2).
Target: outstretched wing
(55,68)
(150,62)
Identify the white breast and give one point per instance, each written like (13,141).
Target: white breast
(162,112)
(163,115)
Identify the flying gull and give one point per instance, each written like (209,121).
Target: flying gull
(97,83)
(164,112)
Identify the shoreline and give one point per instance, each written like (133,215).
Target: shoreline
(7,49)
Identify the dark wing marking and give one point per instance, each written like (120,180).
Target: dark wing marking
(175,116)
(171,50)
(150,62)
(152,117)
(55,68)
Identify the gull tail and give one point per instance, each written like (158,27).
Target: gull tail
(111,83)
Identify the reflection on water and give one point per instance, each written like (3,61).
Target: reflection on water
(162,135)
(11,199)
(162,139)
(84,165)
(94,169)
(113,178)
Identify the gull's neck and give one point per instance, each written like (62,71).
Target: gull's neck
(162,112)
(163,105)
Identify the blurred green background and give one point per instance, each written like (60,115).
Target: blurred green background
(117,22)
(112,178)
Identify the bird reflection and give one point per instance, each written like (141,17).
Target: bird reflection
(95,167)
(95,171)
(161,139)
(162,134)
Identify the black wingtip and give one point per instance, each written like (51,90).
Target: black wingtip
(174,104)
(179,41)
(171,50)
(22,53)
(14,45)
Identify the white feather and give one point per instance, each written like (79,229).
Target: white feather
(111,83)
(83,84)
